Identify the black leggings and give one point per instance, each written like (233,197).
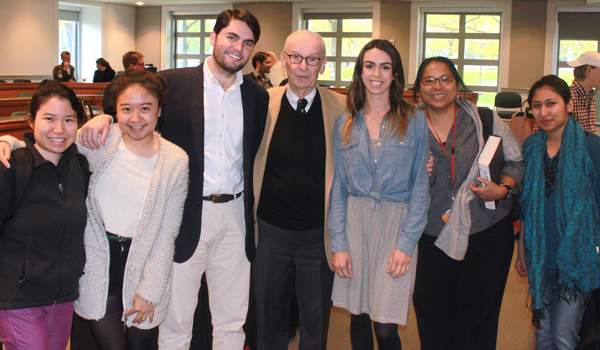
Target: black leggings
(109,332)
(361,334)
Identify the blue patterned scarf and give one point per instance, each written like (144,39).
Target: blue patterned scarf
(578,231)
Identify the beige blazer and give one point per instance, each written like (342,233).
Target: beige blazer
(334,105)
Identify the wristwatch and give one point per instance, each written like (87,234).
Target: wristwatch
(508,187)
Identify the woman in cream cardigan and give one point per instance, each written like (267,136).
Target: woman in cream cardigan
(135,204)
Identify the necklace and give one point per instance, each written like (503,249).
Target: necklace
(375,120)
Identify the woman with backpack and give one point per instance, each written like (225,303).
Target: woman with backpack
(42,202)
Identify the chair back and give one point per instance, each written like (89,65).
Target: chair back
(25,94)
(22,81)
(508,99)
(99,93)
(19,113)
(2,81)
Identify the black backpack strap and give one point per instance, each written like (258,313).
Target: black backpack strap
(487,120)
(24,164)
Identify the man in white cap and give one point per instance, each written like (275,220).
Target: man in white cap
(587,77)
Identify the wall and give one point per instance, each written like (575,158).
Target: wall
(147,33)
(91,47)
(395,24)
(30,38)
(527,42)
(275,25)
(120,33)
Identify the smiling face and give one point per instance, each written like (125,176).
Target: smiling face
(233,46)
(137,113)
(302,77)
(377,72)
(550,111)
(264,67)
(438,96)
(54,128)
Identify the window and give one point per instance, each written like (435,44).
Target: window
(472,42)
(192,39)
(344,36)
(68,40)
(570,50)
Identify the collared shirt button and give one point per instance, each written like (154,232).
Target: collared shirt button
(401,142)
(220,154)
(375,161)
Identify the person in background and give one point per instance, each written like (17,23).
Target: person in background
(379,198)
(104,73)
(262,65)
(131,61)
(277,74)
(64,72)
(560,216)
(466,250)
(587,77)
(41,244)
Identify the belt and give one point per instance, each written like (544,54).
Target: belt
(117,238)
(222,198)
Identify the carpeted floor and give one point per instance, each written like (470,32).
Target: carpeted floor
(515,331)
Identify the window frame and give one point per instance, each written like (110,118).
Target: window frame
(71,15)
(339,35)
(498,6)
(201,35)
(462,36)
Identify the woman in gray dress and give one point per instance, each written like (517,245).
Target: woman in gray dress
(379,198)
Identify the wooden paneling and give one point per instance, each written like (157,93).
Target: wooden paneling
(16,104)
(14,128)
(14,89)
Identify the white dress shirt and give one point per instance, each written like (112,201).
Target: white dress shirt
(293,98)
(223,135)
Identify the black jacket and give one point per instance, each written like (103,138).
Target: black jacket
(104,76)
(182,122)
(41,247)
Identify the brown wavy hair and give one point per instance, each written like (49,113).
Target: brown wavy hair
(400,110)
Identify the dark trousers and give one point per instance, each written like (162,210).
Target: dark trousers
(285,257)
(109,332)
(457,303)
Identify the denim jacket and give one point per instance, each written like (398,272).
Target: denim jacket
(398,174)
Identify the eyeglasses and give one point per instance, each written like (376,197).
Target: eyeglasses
(444,80)
(297,59)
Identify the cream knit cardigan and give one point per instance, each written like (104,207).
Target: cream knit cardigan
(149,269)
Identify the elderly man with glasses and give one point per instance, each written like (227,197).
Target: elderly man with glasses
(293,173)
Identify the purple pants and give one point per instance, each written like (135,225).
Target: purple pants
(43,328)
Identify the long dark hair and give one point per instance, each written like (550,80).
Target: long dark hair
(400,110)
(104,63)
(49,89)
(553,82)
(460,84)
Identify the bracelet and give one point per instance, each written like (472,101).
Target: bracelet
(508,187)
(146,301)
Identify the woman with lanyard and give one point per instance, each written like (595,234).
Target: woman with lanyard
(466,250)
(558,249)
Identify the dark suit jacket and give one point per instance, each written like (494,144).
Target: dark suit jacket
(182,122)
(254,78)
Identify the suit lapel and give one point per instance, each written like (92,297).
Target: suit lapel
(195,100)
